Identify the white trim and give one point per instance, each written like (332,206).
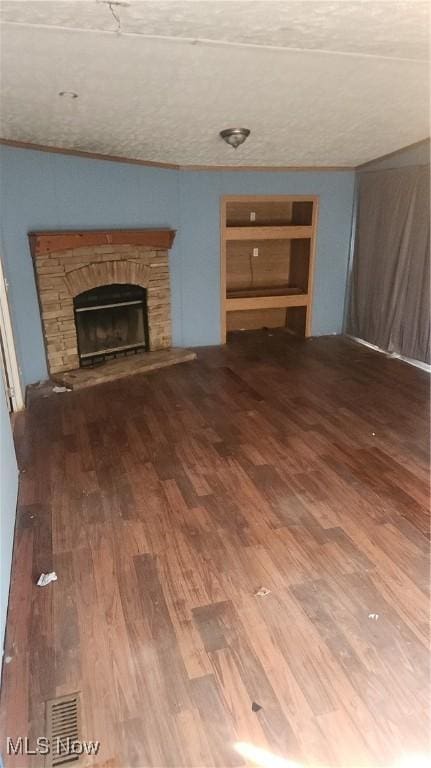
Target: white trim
(12,369)
(394,355)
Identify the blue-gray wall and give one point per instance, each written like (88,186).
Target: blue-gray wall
(43,191)
(40,191)
(200,194)
(8,495)
(417,154)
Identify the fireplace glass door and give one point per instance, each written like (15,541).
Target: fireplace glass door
(111,321)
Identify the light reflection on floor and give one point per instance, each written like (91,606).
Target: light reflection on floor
(264,759)
(414,760)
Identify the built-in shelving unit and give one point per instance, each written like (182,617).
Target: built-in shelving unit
(267,260)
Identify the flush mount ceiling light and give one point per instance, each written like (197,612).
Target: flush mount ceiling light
(234,136)
(68,94)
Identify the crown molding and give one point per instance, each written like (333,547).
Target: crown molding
(216,168)
(267,168)
(171,166)
(88,155)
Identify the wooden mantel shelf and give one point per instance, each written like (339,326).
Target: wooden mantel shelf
(42,243)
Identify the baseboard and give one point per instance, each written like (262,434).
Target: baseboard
(394,355)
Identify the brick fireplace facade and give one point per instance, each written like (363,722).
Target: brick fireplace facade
(69,263)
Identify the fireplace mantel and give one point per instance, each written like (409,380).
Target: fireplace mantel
(43,243)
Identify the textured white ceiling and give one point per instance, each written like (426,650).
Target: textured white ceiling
(318,83)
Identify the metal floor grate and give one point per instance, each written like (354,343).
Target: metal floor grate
(63,721)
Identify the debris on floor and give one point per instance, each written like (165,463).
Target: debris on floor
(262,592)
(255,706)
(46,578)
(7,659)
(373,434)
(373,616)
(57,389)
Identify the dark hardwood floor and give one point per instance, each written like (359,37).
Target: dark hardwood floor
(165,501)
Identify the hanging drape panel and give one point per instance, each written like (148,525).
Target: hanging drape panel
(390,281)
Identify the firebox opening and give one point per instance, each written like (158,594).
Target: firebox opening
(111,321)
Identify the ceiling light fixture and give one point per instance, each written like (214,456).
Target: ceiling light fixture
(234,136)
(68,94)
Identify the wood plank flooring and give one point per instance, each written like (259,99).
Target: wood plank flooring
(165,501)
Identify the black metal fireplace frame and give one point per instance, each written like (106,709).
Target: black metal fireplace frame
(88,301)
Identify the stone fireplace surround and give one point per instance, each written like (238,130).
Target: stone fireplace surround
(68,263)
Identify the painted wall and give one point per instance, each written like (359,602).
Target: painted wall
(8,496)
(200,194)
(418,154)
(42,191)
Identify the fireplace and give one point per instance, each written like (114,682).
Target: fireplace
(102,294)
(111,321)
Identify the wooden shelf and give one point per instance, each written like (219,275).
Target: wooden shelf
(268,233)
(268,290)
(270,211)
(267,302)
(268,247)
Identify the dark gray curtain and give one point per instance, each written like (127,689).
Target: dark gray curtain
(390,282)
